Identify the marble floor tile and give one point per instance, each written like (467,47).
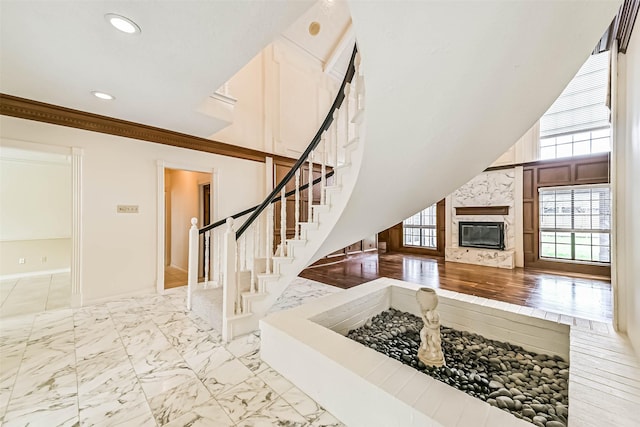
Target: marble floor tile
(10,359)
(109,374)
(246,399)
(300,291)
(206,361)
(244,345)
(140,361)
(31,389)
(138,418)
(254,362)
(152,360)
(24,307)
(158,382)
(120,402)
(279,413)
(277,382)
(117,413)
(225,376)
(302,403)
(94,342)
(165,317)
(40,361)
(186,337)
(325,419)
(208,414)
(177,401)
(58,412)
(32,295)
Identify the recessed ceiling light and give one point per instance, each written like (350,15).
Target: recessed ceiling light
(122,23)
(314,28)
(103,95)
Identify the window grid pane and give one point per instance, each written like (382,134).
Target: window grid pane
(578,144)
(419,230)
(575,224)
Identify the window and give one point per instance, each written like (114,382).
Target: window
(419,230)
(578,121)
(575,223)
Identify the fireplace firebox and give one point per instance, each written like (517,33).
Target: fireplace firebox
(487,235)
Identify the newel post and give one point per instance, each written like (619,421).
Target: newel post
(192,273)
(229,279)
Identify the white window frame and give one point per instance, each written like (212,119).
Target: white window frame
(421,227)
(573,230)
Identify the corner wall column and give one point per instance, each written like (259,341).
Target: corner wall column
(76,227)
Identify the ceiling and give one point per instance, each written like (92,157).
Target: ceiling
(58,52)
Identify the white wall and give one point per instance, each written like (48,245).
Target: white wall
(185,204)
(119,251)
(526,149)
(627,183)
(282,97)
(35,211)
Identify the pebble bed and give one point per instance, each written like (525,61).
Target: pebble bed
(530,386)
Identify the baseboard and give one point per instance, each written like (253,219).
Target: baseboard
(35,273)
(179,268)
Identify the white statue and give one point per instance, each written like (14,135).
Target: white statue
(430,351)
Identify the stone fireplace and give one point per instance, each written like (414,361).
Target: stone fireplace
(486,210)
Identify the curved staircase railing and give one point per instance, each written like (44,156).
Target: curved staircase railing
(245,259)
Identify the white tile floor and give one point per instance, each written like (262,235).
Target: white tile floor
(34,294)
(144,362)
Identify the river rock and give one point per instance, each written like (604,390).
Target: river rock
(526,384)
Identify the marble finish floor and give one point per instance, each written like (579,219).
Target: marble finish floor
(145,361)
(35,294)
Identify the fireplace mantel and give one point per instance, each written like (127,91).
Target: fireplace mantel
(482,210)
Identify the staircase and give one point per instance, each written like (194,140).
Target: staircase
(438,111)
(250,265)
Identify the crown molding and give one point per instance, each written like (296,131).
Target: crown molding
(53,114)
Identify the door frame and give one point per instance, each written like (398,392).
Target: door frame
(160,171)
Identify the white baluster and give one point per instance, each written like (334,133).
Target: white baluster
(217,256)
(269,237)
(238,302)
(256,253)
(297,204)
(323,166)
(345,114)
(258,244)
(283,223)
(229,278)
(243,248)
(207,242)
(310,190)
(192,271)
(360,88)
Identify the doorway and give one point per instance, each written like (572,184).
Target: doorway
(187,194)
(36,236)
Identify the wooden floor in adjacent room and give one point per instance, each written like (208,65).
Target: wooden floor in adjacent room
(174,277)
(585,296)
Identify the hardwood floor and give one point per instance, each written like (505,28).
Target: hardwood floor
(586,296)
(174,277)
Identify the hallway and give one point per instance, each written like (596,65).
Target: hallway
(585,297)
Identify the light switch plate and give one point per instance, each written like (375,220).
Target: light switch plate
(128,209)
